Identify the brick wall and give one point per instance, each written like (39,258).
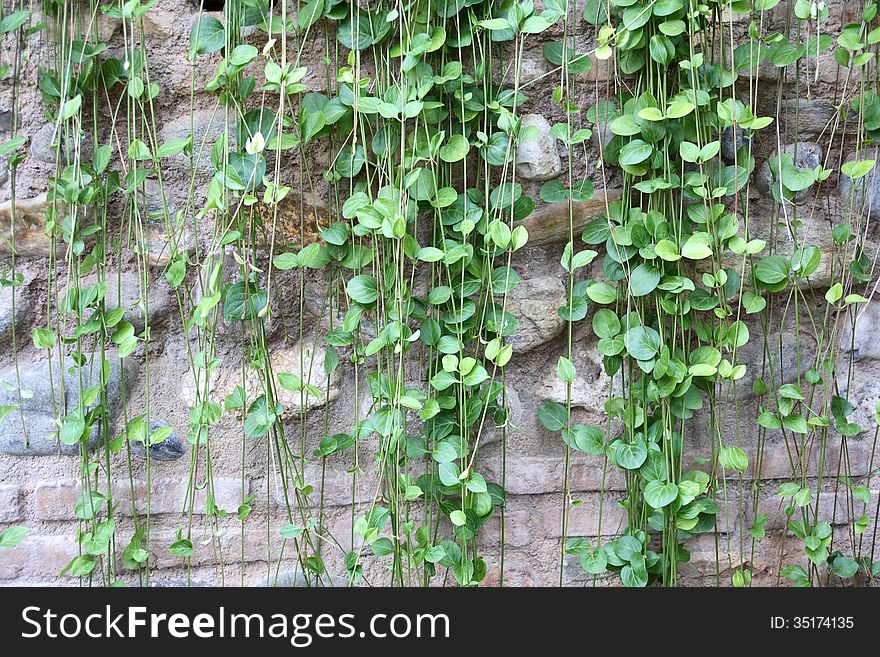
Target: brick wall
(40,485)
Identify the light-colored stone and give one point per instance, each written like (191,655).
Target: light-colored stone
(590,389)
(223,380)
(538,158)
(864,195)
(535,475)
(534,303)
(37,557)
(205,126)
(166,230)
(860,330)
(787,349)
(30,237)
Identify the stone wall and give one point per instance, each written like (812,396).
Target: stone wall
(40,480)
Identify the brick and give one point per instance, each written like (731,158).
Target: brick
(336,487)
(602,70)
(257,546)
(56,500)
(10,509)
(776,462)
(517,532)
(37,557)
(530,475)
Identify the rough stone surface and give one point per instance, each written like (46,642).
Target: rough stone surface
(124,291)
(20,318)
(538,158)
(534,303)
(590,388)
(224,380)
(30,227)
(204,126)
(48,141)
(862,194)
(166,230)
(812,118)
(860,331)
(51,391)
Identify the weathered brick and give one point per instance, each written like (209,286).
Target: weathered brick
(56,500)
(37,557)
(530,475)
(258,546)
(776,460)
(10,510)
(602,70)
(336,484)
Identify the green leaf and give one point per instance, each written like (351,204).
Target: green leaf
(12,536)
(845,567)
(43,338)
(13,21)
(651,114)
(309,14)
(793,177)
(642,342)
(857,169)
(602,293)
(658,494)
(667,250)
(643,280)
(71,107)
(289,531)
(697,246)
(796,423)
(605,323)
(82,566)
(208,35)
(429,254)
(588,440)
(72,428)
(243,302)
(772,269)
(455,149)
(635,152)
(182,548)
(553,416)
(565,370)
(595,561)
(733,458)
(363,289)
(138,151)
(631,456)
